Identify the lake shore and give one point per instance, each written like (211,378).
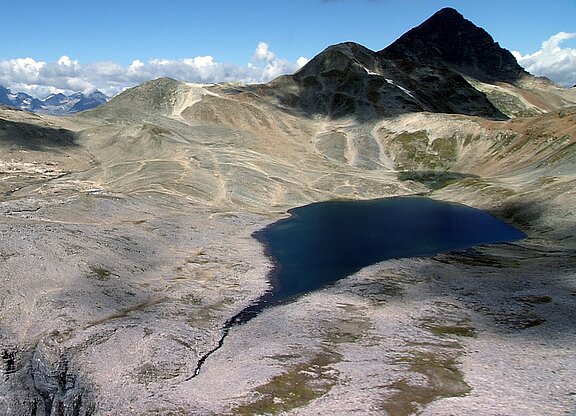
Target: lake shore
(454,333)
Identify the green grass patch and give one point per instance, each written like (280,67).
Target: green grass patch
(442,379)
(416,151)
(434,180)
(100,273)
(297,387)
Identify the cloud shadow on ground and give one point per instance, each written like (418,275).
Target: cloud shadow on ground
(33,137)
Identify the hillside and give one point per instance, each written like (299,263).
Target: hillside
(127,241)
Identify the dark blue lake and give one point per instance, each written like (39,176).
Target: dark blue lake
(324,242)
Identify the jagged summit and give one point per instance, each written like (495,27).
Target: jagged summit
(350,79)
(447,64)
(448,39)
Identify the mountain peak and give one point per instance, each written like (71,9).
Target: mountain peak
(350,79)
(346,56)
(450,40)
(447,13)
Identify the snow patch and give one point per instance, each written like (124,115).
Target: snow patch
(404,90)
(371,72)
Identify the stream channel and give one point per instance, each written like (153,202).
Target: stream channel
(321,243)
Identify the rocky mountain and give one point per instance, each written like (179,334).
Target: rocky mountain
(83,102)
(18,100)
(445,65)
(55,104)
(349,79)
(127,244)
(449,40)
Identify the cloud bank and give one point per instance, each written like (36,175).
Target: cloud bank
(67,75)
(552,61)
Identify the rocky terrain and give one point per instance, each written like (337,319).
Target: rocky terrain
(127,242)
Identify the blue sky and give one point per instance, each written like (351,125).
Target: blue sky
(114,36)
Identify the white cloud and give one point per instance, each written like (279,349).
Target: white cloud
(263,53)
(302,61)
(66,61)
(552,60)
(67,75)
(25,70)
(269,64)
(135,65)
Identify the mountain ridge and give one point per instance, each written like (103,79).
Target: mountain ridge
(54,104)
(347,74)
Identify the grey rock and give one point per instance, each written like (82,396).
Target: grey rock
(60,390)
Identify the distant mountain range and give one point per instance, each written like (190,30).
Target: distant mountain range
(55,104)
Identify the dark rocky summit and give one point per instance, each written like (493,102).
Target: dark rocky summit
(447,39)
(423,70)
(349,79)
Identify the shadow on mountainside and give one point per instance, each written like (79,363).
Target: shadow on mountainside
(448,39)
(516,286)
(433,180)
(32,137)
(523,214)
(348,80)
